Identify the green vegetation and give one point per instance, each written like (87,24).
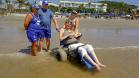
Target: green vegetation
(20,2)
(112,7)
(118,7)
(54,9)
(80,9)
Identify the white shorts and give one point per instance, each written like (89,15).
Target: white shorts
(83,50)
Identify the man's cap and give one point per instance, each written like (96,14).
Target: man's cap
(45,2)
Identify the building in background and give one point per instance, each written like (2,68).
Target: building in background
(97,6)
(62,3)
(5,3)
(67,4)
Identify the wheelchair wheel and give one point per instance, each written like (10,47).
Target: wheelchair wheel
(61,55)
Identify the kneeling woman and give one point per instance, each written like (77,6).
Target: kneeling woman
(32,27)
(69,39)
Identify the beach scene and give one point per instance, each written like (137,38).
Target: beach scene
(114,39)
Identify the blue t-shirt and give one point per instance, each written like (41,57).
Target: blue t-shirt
(46,18)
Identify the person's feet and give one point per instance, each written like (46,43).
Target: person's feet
(40,50)
(102,65)
(98,68)
(78,37)
(47,50)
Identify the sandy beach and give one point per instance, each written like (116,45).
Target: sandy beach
(116,43)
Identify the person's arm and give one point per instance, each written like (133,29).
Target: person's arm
(62,36)
(76,25)
(27,21)
(55,23)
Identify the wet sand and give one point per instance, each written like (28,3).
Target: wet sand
(115,42)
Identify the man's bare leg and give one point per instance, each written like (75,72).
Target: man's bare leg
(41,44)
(48,44)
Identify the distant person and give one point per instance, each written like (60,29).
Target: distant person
(73,21)
(32,27)
(46,16)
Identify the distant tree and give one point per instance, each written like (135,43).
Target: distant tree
(81,8)
(59,7)
(118,7)
(89,10)
(63,10)
(53,8)
(1,3)
(20,2)
(89,4)
(69,10)
(7,4)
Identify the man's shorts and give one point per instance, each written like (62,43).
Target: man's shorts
(34,36)
(47,33)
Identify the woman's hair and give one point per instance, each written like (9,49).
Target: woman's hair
(74,12)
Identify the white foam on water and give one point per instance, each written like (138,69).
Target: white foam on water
(42,53)
(124,47)
(14,54)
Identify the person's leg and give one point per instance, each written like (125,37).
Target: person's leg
(34,48)
(41,41)
(84,53)
(48,44)
(41,44)
(32,36)
(74,46)
(47,34)
(90,49)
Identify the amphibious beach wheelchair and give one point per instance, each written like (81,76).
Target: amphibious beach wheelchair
(62,53)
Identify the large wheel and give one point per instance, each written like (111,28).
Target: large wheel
(61,55)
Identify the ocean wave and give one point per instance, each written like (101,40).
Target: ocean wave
(124,47)
(97,48)
(14,54)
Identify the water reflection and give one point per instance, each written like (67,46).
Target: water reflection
(100,37)
(108,37)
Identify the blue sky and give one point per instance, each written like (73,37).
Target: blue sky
(135,2)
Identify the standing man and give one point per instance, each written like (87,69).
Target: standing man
(46,16)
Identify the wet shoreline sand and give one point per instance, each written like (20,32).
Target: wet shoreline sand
(121,63)
(114,46)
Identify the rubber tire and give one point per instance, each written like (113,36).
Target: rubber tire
(61,55)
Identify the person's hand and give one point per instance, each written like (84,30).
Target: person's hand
(71,35)
(77,34)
